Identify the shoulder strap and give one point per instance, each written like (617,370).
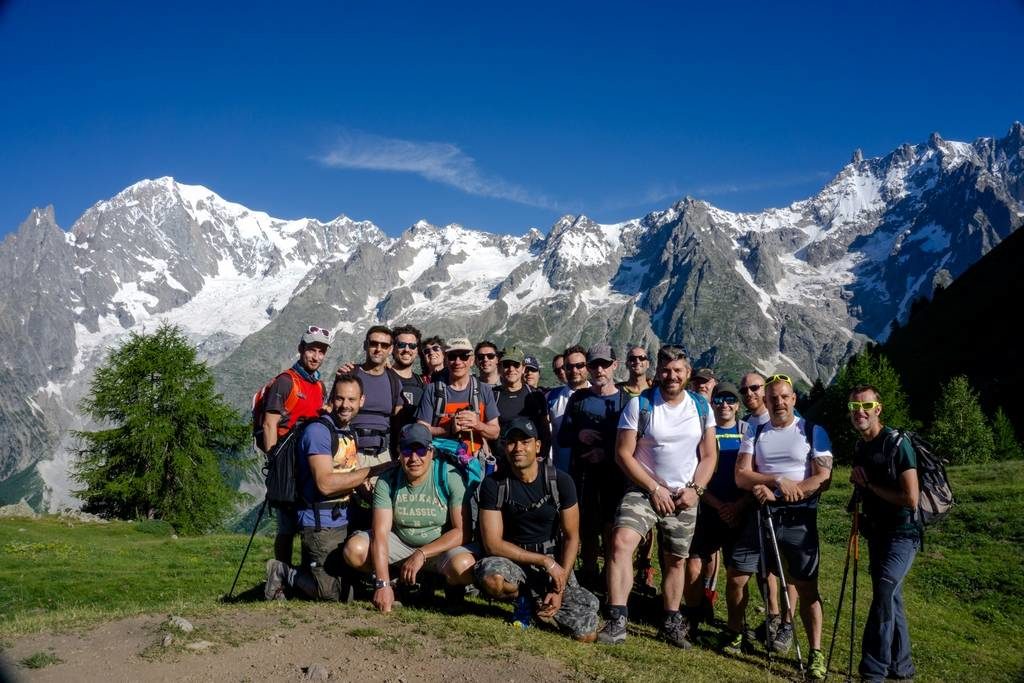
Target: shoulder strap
(440,401)
(474,394)
(551,484)
(396,384)
(702,407)
(643,419)
(757,435)
(441,487)
(502,497)
(809,436)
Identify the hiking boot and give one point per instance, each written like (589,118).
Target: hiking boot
(675,630)
(816,670)
(613,632)
(783,640)
(522,613)
(277,573)
(732,643)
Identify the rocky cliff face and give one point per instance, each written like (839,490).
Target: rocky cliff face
(795,289)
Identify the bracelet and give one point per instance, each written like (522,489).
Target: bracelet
(547,567)
(417,550)
(656,487)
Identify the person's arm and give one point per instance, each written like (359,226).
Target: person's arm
(625,447)
(330,483)
(570,518)
(383,598)
(270,424)
(707,460)
(821,470)
(907,494)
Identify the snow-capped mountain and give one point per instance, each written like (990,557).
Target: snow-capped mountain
(796,289)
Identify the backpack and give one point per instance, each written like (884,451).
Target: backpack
(936,496)
(280,466)
(447,452)
(441,398)
(550,475)
(643,420)
(259,401)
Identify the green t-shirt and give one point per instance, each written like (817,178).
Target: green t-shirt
(419,516)
(896,519)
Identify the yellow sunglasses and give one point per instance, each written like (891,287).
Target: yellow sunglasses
(779,378)
(854,406)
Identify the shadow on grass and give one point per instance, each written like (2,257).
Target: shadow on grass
(253,594)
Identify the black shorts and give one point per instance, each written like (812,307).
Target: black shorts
(600,489)
(738,544)
(796,531)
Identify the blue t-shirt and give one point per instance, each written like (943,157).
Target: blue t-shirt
(723,481)
(316,440)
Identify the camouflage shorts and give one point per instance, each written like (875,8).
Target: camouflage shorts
(578,614)
(675,532)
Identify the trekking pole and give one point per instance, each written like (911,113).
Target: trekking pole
(842,592)
(259,516)
(853,603)
(762,582)
(784,589)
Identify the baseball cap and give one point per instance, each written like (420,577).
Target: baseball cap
(523,425)
(532,362)
(704,374)
(316,335)
(458,344)
(414,434)
(726,388)
(513,353)
(600,352)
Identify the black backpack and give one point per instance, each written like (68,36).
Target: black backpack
(279,469)
(936,495)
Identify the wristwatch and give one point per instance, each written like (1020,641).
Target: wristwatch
(696,487)
(380,583)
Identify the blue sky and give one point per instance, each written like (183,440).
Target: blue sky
(500,116)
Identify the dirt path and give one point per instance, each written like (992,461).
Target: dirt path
(246,645)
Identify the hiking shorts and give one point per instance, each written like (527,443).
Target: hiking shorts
(322,556)
(675,531)
(287,521)
(738,544)
(796,531)
(578,614)
(398,551)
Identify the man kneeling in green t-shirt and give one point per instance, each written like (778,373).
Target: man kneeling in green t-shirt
(414,526)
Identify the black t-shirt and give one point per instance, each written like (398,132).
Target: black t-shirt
(587,410)
(524,521)
(525,402)
(412,391)
(872,456)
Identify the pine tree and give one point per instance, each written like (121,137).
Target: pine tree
(959,430)
(867,367)
(1006,445)
(170,442)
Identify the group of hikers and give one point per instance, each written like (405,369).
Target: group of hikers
(414,470)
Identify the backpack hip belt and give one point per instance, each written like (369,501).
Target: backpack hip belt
(546,548)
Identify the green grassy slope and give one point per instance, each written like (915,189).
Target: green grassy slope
(965,594)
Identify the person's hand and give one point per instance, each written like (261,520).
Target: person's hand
(558,574)
(791,492)
(730,514)
(858,477)
(384,598)
(593,456)
(346,368)
(412,565)
(591,437)
(763,494)
(686,498)
(550,605)
(466,420)
(662,501)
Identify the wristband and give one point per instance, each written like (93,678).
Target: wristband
(656,487)
(381,583)
(547,567)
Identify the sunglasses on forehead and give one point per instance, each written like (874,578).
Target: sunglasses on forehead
(313,329)
(779,378)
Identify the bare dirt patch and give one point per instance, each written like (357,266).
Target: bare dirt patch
(272,644)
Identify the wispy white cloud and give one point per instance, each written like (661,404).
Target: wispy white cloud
(440,162)
(660,192)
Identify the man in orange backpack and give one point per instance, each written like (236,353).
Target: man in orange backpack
(294,394)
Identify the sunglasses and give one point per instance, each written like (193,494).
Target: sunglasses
(575,366)
(751,389)
(511,364)
(854,406)
(779,378)
(458,355)
(486,356)
(313,329)
(433,349)
(420,452)
(638,359)
(601,363)
(726,400)
(529,369)
(372,344)
(407,345)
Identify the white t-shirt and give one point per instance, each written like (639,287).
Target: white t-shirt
(782,451)
(761,419)
(668,451)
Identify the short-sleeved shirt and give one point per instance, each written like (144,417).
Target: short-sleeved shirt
(412,392)
(316,440)
(379,404)
(524,402)
(871,455)
(668,450)
(279,390)
(783,451)
(587,410)
(525,523)
(419,516)
(456,399)
(723,483)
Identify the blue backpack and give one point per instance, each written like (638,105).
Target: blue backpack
(646,397)
(447,452)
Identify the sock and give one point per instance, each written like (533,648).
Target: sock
(617,610)
(669,614)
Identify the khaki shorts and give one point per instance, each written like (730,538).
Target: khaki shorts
(399,551)
(675,532)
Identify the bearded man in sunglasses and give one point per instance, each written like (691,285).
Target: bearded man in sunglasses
(885,474)
(419,522)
